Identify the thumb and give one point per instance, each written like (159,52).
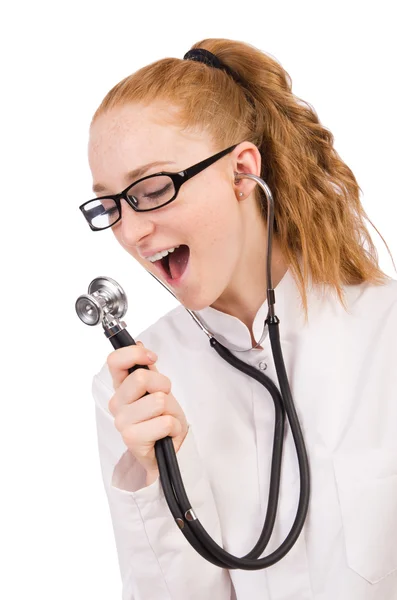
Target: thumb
(152,366)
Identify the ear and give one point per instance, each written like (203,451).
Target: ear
(246,159)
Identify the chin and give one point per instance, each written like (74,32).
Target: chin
(194,305)
(199,301)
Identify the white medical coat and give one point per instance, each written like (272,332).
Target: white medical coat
(342,369)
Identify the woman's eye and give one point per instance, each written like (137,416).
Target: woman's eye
(158,193)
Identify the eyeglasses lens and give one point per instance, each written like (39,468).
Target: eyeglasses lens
(147,194)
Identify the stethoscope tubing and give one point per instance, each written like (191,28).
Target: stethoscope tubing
(174,490)
(217,552)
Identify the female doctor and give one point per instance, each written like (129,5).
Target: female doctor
(338,330)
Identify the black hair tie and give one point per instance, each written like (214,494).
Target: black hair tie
(206,57)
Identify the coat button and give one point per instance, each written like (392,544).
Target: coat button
(262,365)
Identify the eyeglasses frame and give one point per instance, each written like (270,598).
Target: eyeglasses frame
(178,180)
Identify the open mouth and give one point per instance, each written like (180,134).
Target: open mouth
(174,264)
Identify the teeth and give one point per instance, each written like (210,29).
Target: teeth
(161,255)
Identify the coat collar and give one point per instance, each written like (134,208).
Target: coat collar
(235,335)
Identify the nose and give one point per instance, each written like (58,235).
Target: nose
(134,225)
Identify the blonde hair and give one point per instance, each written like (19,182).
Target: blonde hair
(319,219)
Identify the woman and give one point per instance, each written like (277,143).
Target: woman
(338,325)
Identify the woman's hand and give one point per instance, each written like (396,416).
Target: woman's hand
(142,420)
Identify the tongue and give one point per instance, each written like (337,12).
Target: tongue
(178,261)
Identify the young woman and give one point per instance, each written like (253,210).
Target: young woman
(338,330)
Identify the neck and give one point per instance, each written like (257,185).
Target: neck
(248,290)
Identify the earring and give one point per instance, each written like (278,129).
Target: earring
(241,194)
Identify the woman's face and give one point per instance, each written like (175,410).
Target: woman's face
(206,215)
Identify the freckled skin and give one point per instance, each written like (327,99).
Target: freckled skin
(226,237)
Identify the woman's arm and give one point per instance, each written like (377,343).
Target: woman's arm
(156,561)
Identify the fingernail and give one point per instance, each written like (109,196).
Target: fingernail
(152,356)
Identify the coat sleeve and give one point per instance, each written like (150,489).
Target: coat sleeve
(155,559)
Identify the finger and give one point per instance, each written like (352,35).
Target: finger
(144,409)
(136,385)
(122,359)
(148,407)
(152,366)
(148,432)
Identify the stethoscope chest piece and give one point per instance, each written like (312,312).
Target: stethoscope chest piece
(105,296)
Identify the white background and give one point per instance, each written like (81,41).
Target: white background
(58,60)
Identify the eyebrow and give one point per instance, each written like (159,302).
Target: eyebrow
(135,174)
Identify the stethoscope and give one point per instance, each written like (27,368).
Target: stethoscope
(106,302)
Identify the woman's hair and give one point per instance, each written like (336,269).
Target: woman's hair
(319,220)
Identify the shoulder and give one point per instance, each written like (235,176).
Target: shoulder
(369,327)
(378,300)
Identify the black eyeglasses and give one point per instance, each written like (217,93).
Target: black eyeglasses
(149,193)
